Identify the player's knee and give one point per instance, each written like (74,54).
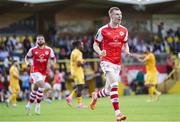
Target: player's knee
(35,87)
(110,76)
(107,91)
(114,84)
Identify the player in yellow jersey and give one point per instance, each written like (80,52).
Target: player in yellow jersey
(151,73)
(76,65)
(14,83)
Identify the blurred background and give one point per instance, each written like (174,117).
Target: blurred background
(151,23)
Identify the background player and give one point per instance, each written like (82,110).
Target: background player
(76,63)
(40,55)
(58,77)
(151,73)
(113,37)
(14,83)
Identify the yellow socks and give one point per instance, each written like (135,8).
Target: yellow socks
(79,100)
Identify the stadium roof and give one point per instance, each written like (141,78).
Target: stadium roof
(143,2)
(35,1)
(53,6)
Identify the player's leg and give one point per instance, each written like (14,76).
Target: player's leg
(39,97)
(104,91)
(48,92)
(70,97)
(59,94)
(154,84)
(151,93)
(80,84)
(32,98)
(158,94)
(8,100)
(148,84)
(79,96)
(37,92)
(14,90)
(101,93)
(113,77)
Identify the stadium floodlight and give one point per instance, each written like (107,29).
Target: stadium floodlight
(142,2)
(35,1)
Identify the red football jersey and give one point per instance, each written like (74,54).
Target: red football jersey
(40,58)
(112,40)
(58,78)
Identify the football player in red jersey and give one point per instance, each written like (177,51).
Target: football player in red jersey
(112,37)
(40,55)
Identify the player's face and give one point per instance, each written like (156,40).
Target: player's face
(116,16)
(40,41)
(16,64)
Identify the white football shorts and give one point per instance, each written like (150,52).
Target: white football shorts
(37,77)
(110,67)
(57,87)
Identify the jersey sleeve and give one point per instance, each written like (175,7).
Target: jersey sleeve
(30,54)
(126,37)
(99,37)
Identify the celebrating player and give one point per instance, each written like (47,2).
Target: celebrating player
(112,37)
(40,55)
(151,73)
(76,62)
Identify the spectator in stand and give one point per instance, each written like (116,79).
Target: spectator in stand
(26,44)
(177,33)
(161,32)
(14,40)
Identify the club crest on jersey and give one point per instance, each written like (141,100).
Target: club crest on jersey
(46,53)
(36,52)
(121,33)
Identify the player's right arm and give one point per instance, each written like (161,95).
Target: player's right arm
(98,40)
(28,56)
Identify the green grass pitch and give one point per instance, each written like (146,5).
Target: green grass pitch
(135,107)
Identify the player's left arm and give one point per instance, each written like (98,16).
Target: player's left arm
(52,57)
(126,46)
(126,49)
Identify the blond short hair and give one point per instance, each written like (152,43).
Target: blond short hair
(112,9)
